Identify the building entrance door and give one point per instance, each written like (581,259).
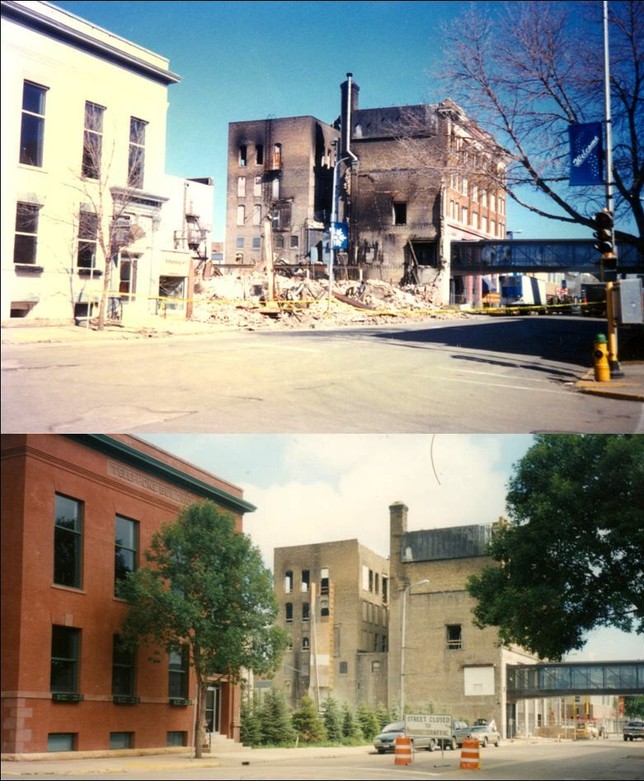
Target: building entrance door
(213,708)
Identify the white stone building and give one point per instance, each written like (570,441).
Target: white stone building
(83,180)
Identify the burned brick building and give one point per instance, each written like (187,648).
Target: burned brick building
(403,181)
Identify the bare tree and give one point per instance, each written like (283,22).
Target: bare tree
(102,225)
(526,72)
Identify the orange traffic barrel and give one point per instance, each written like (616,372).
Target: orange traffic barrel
(470,754)
(403,752)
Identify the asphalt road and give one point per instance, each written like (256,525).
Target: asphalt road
(522,760)
(505,375)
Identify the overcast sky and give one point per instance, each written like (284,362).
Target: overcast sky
(321,488)
(241,61)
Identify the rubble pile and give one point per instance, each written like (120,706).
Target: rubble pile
(245,302)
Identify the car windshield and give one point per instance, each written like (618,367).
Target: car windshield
(397,727)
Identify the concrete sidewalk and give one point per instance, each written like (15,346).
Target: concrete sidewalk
(131,763)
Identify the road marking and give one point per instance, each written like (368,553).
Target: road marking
(500,385)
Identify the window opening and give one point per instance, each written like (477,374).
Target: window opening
(288,581)
(136,158)
(68,541)
(400,213)
(125,549)
(178,674)
(123,666)
(92,140)
(32,130)
(87,239)
(65,644)
(454,638)
(26,239)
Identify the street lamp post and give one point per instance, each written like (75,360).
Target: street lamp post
(403,620)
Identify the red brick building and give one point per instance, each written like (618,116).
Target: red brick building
(78,511)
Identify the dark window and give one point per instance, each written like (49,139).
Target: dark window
(454,638)
(125,549)
(32,131)
(306,580)
(61,741)
(176,738)
(87,239)
(295,242)
(400,213)
(68,541)
(178,674)
(243,156)
(343,668)
(26,239)
(259,154)
(305,643)
(93,140)
(425,252)
(123,666)
(136,157)
(306,611)
(288,581)
(289,611)
(65,646)
(121,740)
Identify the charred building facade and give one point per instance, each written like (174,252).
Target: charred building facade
(404,181)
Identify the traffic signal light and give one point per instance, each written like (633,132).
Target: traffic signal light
(605,243)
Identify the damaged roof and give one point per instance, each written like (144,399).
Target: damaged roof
(454,542)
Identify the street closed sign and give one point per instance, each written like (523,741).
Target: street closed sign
(432,726)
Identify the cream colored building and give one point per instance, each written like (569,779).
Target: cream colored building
(448,665)
(83,180)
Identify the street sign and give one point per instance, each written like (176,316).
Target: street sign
(339,235)
(431,726)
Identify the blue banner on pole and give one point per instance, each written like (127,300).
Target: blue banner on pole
(339,235)
(586,154)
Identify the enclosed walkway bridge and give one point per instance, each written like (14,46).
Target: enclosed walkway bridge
(537,255)
(574,678)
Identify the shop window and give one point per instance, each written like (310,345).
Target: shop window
(68,541)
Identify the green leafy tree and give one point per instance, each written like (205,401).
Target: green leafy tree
(206,590)
(307,722)
(634,707)
(570,559)
(275,718)
(383,714)
(332,715)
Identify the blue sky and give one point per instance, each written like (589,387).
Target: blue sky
(253,60)
(323,488)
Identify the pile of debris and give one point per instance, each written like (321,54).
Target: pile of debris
(245,301)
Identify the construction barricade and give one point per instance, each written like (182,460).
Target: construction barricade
(403,751)
(470,754)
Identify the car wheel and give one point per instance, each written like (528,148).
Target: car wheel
(453,745)
(381,751)
(484,742)
(498,743)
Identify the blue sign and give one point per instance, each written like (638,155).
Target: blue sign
(586,154)
(339,235)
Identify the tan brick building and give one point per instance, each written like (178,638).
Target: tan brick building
(447,663)
(78,511)
(334,602)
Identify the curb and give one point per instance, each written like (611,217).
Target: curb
(614,389)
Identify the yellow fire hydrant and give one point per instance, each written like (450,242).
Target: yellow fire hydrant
(600,359)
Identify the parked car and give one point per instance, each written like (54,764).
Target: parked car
(386,740)
(634,730)
(484,734)
(460,730)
